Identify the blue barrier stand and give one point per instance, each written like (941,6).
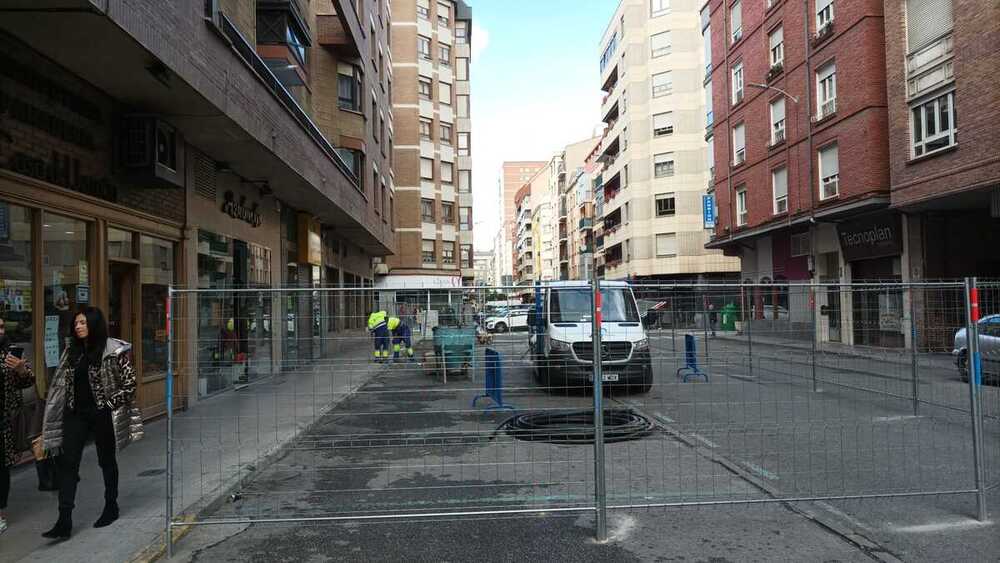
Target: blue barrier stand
(494,382)
(690,368)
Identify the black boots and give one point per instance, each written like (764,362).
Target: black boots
(62,529)
(109,515)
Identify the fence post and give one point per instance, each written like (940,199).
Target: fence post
(600,491)
(750,337)
(673,326)
(170,422)
(913,353)
(813,336)
(975,378)
(706,318)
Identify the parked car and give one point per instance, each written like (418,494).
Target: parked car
(514,318)
(989,350)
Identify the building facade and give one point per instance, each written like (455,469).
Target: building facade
(654,151)
(513,176)
(432,163)
(115,186)
(946,186)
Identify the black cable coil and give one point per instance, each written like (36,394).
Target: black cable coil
(577,427)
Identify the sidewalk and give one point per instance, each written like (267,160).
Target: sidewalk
(297,397)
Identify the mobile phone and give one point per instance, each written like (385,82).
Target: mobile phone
(16,351)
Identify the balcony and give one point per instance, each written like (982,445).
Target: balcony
(562,231)
(586,223)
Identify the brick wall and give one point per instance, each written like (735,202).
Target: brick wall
(976,160)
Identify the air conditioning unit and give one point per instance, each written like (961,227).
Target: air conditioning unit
(151,152)
(831,186)
(741,156)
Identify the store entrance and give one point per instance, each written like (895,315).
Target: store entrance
(122,301)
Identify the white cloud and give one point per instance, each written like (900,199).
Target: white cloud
(480,40)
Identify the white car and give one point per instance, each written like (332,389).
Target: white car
(512,319)
(989,349)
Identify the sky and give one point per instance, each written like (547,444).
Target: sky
(535,88)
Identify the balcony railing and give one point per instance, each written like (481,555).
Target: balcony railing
(587,223)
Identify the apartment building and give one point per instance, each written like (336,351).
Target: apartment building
(799,130)
(575,237)
(653,153)
(523,258)
(483,261)
(432,162)
(215,154)
(939,57)
(513,176)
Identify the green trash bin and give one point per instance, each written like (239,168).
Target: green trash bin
(729,316)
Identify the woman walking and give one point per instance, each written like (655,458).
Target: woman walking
(90,395)
(15,374)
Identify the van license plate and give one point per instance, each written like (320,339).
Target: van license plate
(605,377)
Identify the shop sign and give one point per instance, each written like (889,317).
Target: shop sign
(871,237)
(708,211)
(239,210)
(310,240)
(82,294)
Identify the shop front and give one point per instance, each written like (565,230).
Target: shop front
(75,229)
(872,247)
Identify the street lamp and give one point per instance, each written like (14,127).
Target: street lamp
(766,87)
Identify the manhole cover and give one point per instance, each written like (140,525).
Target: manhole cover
(152,472)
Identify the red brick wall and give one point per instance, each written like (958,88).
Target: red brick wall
(976,160)
(859,125)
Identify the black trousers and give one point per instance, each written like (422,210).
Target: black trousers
(77,427)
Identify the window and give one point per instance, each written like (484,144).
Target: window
(666,244)
(934,125)
(427,168)
(423,9)
(461,31)
(465,218)
(444,15)
(463,105)
(448,253)
(658,7)
(709,115)
(829,172)
(444,93)
(444,54)
(354,159)
(739,144)
(777,121)
(427,251)
(350,81)
(17,275)
(445,137)
(424,47)
(465,181)
(377,204)
(742,215)
(776,39)
(461,68)
(826,90)
(926,22)
(663,165)
(737,83)
(427,210)
(779,187)
(710,158)
(660,44)
(374,118)
(663,124)
(447,172)
(425,88)
(463,144)
(736,21)
(707,39)
(447,212)
(425,129)
(665,205)
(608,56)
(662,84)
(824,13)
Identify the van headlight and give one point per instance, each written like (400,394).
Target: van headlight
(559,345)
(641,344)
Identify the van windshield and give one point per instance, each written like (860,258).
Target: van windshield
(575,306)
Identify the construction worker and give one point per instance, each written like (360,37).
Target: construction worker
(378,326)
(400,338)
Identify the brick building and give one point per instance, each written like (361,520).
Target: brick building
(207,145)
(941,58)
(799,128)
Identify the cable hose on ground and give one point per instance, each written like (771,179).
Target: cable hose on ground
(577,427)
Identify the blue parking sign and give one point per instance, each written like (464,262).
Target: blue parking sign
(708,211)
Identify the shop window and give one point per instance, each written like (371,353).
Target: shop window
(66,281)
(15,277)
(120,244)
(156,275)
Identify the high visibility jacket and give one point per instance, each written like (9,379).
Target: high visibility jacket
(377,319)
(393,323)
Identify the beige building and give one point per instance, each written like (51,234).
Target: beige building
(432,161)
(654,149)
(513,176)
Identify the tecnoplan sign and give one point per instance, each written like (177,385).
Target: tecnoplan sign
(871,237)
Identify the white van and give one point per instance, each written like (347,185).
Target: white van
(563,351)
